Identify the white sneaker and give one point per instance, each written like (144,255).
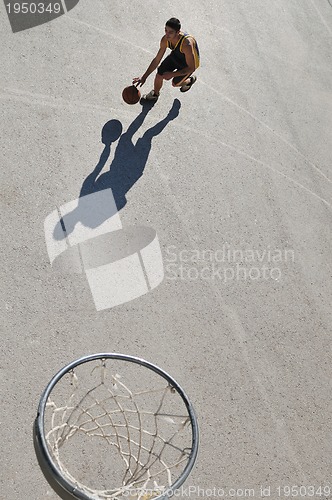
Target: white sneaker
(151,96)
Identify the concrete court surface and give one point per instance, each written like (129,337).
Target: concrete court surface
(238,189)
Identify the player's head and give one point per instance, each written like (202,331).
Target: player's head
(172,27)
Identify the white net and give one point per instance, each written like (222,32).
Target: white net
(117,436)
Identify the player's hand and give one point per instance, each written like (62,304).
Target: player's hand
(140,80)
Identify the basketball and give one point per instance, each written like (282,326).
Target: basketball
(131,95)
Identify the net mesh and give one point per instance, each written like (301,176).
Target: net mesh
(115,441)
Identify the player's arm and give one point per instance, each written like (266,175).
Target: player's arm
(188,51)
(154,63)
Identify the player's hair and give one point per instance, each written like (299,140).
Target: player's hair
(174,23)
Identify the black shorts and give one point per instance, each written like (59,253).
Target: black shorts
(170,63)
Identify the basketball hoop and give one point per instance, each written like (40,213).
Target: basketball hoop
(112,426)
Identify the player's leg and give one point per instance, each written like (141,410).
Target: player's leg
(179,81)
(158,83)
(184,82)
(167,65)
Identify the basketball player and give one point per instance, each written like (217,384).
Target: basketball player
(178,66)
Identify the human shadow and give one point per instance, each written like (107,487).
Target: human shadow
(129,159)
(126,168)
